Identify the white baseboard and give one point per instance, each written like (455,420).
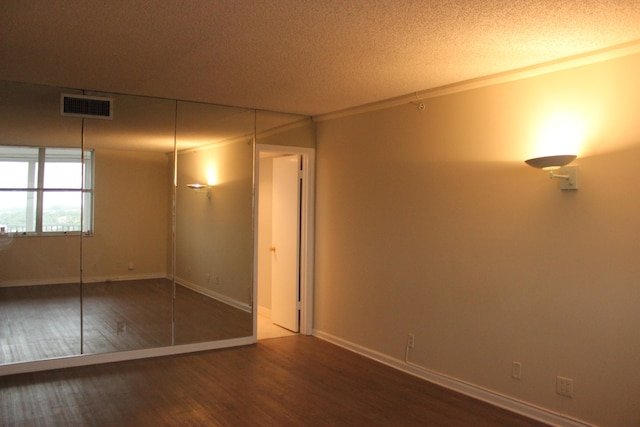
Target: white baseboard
(119,356)
(215,295)
(39,282)
(264,311)
(76,279)
(471,390)
(144,276)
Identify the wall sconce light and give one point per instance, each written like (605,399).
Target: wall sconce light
(201,188)
(557,167)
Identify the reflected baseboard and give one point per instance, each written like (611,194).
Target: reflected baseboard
(114,316)
(76,279)
(215,295)
(103,279)
(95,359)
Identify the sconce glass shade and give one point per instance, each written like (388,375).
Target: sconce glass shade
(198,186)
(201,188)
(551,162)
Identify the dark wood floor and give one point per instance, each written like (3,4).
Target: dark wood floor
(292,381)
(41,322)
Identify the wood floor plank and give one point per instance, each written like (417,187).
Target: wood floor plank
(291,381)
(41,322)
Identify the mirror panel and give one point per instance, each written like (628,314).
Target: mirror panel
(213,264)
(39,225)
(127,290)
(147,261)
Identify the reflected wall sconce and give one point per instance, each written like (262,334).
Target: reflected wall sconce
(201,188)
(557,167)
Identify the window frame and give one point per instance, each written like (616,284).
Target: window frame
(35,185)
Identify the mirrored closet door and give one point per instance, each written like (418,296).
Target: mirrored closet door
(105,245)
(41,195)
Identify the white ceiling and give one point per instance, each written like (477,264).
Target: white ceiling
(299,56)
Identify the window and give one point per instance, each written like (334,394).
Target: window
(43,190)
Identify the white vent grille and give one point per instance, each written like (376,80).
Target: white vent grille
(93,107)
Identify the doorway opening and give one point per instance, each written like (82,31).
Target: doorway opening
(283,248)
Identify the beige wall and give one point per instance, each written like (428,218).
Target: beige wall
(130,226)
(429,222)
(296,133)
(36,260)
(214,242)
(130,216)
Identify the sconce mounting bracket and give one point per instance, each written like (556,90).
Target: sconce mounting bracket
(568,176)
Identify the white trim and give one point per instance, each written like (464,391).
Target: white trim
(307,236)
(301,122)
(264,311)
(514,405)
(146,276)
(601,55)
(76,279)
(95,359)
(217,144)
(215,295)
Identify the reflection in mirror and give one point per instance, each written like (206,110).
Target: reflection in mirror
(103,246)
(127,291)
(40,221)
(213,264)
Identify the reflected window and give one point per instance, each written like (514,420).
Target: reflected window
(43,190)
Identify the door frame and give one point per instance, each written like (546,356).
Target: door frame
(307,237)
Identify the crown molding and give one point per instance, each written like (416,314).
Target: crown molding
(600,55)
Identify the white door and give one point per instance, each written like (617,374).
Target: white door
(285,267)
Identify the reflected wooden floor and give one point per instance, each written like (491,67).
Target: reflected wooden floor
(40,322)
(291,381)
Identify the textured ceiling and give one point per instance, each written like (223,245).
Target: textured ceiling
(300,56)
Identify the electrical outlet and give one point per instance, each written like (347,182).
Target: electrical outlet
(411,341)
(516,370)
(564,386)
(121,327)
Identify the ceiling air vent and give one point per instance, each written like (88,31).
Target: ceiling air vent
(92,107)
